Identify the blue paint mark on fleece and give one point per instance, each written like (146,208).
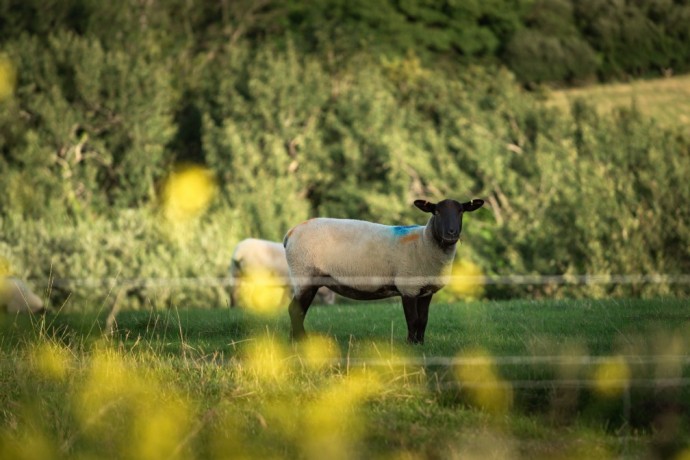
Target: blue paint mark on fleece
(402,230)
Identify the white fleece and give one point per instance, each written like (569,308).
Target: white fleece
(367,257)
(16,297)
(255,254)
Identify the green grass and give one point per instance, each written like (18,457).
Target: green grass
(246,391)
(665,99)
(503,328)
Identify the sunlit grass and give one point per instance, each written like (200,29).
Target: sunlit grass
(318,352)
(161,387)
(50,360)
(665,99)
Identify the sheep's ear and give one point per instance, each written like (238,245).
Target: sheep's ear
(472,205)
(425,206)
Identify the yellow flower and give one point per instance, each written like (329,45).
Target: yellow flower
(612,377)
(8,77)
(261,291)
(187,193)
(477,373)
(467,280)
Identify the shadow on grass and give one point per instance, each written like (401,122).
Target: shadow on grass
(168,331)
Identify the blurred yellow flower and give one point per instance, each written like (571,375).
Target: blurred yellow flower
(683,455)
(159,428)
(187,193)
(332,421)
(478,374)
(266,360)
(318,352)
(261,291)
(5,267)
(110,382)
(467,280)
(672,346)
(29,445)
(51,360)
(8,77)
(612,377)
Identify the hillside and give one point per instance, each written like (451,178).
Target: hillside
(666,100)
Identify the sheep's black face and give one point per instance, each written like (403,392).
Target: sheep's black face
(447,218)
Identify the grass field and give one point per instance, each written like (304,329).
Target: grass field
(517,379)
(667,99)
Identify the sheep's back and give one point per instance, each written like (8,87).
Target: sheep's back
(343,247)
(253,253)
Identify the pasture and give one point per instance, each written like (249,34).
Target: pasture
(667,100)
(510,379)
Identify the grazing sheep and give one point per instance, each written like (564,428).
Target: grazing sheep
(16,297)
(253,254)
(365,261)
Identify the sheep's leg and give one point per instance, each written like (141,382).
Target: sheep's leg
(411,316)
(422,316)
(298,310)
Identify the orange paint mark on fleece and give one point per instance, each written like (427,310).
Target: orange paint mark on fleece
(289,233)
(410,237)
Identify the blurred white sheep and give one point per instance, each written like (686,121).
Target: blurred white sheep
(17,297)
(256,255)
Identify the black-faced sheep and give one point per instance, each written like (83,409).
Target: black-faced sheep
(16,297)
(252,255)
(365,261)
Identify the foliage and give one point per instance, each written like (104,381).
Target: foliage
(550,49)
(634,38)
(294,120)
(130,259)
(88,126)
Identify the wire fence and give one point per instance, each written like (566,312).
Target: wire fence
(680,361)
(585,360)
(550,362)
(211,281)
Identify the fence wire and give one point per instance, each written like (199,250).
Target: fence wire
(683,361)
(211,281)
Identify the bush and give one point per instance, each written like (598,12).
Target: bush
(550,49)
(96,124)
(88,126)
(138,255)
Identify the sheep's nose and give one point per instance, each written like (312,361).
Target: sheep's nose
(452,231)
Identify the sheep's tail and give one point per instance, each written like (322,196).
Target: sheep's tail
(289,233)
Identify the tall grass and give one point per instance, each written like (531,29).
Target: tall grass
(514,379)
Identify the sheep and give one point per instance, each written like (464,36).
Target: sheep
(254,254)
(16,297)
(367,261)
